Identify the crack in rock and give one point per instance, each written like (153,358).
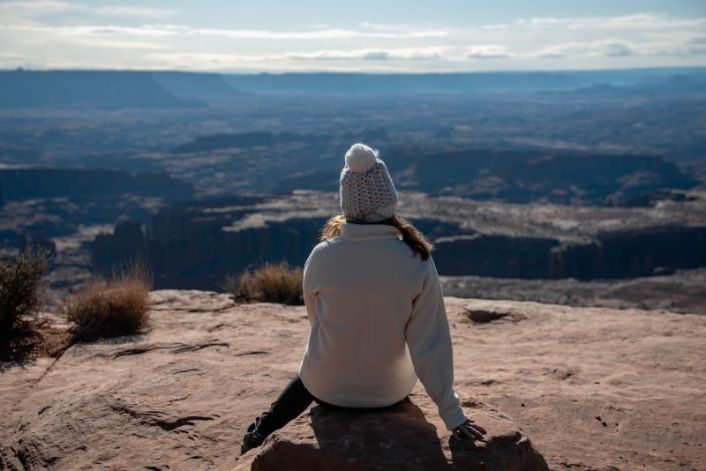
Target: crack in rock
(170,425)
(172,347)
(251,352)
(157,419)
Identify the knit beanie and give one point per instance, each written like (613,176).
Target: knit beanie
(367,191)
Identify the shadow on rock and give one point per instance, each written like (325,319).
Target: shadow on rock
(399,437)
(396,437)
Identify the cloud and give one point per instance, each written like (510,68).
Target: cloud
(312,34)
(132,12)
(184,30)
(489,52)
(553,52)
(601,48)
(617,49)
(495,27)
(79,33)
(366,54)
(90,31)
(637,22)
(543,22)
(22,10)
(696,46)
(34,7)
(641,35)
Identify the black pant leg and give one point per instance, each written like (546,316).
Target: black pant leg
(292,401)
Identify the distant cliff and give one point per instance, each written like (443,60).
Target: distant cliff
(195,85)
(29,183)
(618,254)
(204,255)
(634,81)
(531,176)
(109,89)
(196,244)
(518,176)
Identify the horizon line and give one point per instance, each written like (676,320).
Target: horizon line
(352,72)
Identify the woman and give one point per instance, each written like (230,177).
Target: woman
(376,309)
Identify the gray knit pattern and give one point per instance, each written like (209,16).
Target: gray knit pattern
(368,196)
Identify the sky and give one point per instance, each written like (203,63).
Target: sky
(364,35)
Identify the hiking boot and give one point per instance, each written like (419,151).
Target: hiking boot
(252,438)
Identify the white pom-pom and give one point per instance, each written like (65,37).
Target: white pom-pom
(361,158)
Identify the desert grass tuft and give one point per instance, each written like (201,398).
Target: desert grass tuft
(111,307)
(273,283)
(22,287)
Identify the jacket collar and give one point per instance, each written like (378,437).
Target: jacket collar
(352,231)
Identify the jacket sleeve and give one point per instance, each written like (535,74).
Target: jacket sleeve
(307,282)
(429,341)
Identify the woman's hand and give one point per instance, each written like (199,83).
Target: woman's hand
(469,431)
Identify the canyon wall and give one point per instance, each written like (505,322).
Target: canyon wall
(526,177)
(31,183)
(611,255)
(192,246)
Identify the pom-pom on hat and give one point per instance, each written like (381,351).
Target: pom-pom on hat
(367,192)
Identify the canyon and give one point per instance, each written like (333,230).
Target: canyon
(197,244)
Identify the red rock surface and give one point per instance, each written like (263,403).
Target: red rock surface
(408,437)
(592,388)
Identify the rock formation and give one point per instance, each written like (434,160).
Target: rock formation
(84,88)
(408,437)
(618,254)
(126,244)
(518,176)
(539,176)
(2,197)
(592,388)
(47,182)
(195,85)
(196,244)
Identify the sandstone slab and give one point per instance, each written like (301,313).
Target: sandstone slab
(593,388)
(408,436)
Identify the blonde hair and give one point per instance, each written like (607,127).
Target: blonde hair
(410,234)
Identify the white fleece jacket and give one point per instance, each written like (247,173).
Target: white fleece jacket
(378,322)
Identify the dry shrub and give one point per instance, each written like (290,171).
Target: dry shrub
(22,287)
(273,283)
(111,307)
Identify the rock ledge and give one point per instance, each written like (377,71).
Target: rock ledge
(408,436)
